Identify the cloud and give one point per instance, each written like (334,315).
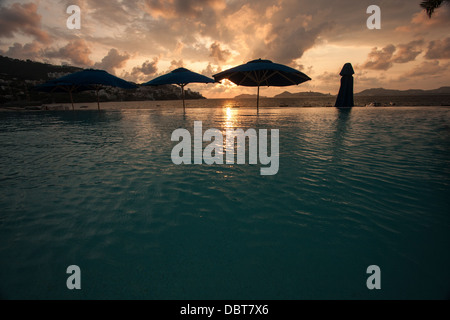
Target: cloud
(364,79)
(174,64)
(429,69)
(380,59)
(210,70)
(176,8)
(439,49)
(291,41)
(28,51)
(408,52)
(22,18)
(76,51)
(108,12)
(143,72)
(420,22)
(150,68)
(329,77)
(279,32)
(179,48)
(384,59)
(113,60)
(219,55)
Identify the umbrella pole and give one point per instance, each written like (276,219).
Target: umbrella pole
(182,93)
(98,101)
(257,100)
(71,100)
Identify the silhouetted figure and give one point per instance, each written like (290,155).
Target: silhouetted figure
(345,95)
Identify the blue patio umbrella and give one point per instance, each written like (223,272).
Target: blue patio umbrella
(260,72)
(89,79)
(345,95)
(181,77)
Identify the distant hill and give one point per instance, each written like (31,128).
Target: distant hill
(368,93)
(18,79)
(30,70)
(411,92)
(287,94)
(248,96)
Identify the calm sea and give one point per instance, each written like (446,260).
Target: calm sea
(369,186)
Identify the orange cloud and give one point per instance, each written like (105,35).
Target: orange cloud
(385,58)
(420,21)
(174,8)
(77,51)
(28,51)
(113,60)
(439,49)
(22,18)
(380,59)
(219,55)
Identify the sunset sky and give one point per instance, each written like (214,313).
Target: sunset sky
(141,39)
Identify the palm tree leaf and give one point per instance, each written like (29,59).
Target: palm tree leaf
(431,5)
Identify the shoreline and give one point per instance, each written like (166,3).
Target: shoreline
(66,108)
(245,103)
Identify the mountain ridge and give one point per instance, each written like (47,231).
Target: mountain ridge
(445,90)
(409,92)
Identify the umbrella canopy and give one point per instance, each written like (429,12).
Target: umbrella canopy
(60,87)
(181,77)
(260,72)
(345,95)
(89,79)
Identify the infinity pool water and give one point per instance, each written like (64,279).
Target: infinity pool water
(99,190)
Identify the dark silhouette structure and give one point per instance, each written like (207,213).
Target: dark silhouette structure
(260,72)
(181,77)
(89,79)
(345,95)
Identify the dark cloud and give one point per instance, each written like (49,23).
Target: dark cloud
(439,49)
(22,18)
(150,68)
(143,72)
(384,59)
(185,8)
(408,52)
(218,54)
(380,59)
(76,51)
(291,44)
(113,60)
(280,31)
(31,51)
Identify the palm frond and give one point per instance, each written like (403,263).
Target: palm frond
(431,5)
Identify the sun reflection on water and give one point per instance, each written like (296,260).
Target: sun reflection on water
(230,117)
